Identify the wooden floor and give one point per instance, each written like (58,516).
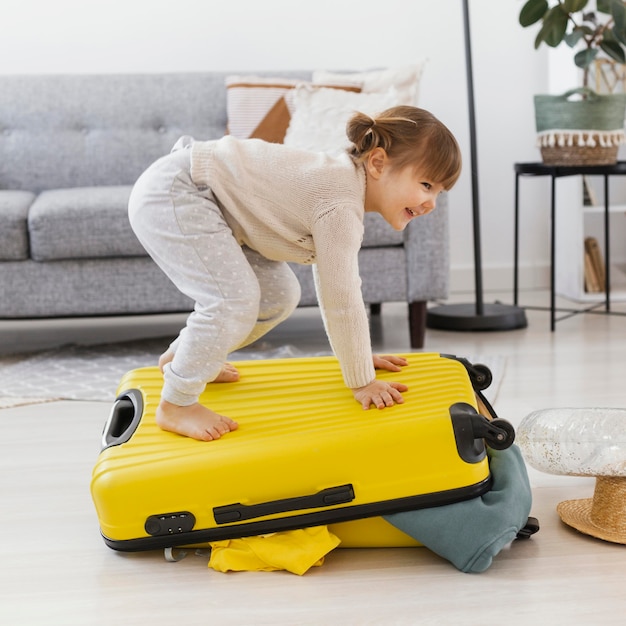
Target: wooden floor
(56,570)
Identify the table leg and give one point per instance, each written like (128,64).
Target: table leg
(607,256)
(552,253)
(516,243)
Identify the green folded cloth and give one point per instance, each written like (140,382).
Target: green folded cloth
(470,533)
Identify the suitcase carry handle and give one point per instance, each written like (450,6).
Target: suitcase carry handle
(326,497)
(123,420)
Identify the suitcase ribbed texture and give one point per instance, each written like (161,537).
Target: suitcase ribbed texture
(300,432)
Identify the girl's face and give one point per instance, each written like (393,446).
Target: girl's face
(398,195)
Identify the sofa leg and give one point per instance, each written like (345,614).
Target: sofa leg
(417,323)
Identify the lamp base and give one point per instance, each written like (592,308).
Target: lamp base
(495,316)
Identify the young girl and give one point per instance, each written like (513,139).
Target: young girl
(222,218)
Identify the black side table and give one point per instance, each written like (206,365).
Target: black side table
(560,171)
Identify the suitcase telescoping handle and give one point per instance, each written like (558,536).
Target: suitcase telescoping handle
(326,497)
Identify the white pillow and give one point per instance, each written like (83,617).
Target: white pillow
(318,122)
(406,80)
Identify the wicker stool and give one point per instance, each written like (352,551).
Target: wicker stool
(583,442)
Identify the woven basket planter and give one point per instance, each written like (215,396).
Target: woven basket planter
(586,131)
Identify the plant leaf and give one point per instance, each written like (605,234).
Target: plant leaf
(538,40)
(573,6)
(609,35)
(574,37)
(603,6)
(554,26)
(532,12)
(619,32)
(585,57)
(618,11)
(614,50)
(609,6)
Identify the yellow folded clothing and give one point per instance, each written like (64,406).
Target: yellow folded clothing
(293,550)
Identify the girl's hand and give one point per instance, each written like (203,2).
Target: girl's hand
(390,362)
(379,393)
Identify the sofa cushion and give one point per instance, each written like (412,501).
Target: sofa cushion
(73,130)
(81,223)
(92,222)
(14,207)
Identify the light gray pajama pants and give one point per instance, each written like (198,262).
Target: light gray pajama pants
(239,295)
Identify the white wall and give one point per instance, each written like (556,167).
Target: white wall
(72,36)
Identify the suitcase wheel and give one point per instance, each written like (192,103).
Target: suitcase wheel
(173,555)
(531,527)
(500,434)
(472,431)
(481,376)
(496,433)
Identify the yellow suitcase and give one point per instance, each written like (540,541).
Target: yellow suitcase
(305,454)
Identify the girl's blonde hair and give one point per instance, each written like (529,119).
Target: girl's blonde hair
(410,137)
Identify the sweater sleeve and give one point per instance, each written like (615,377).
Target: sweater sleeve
(338,237)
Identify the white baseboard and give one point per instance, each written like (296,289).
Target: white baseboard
(500,278)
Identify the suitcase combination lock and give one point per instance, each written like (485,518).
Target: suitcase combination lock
(170,523)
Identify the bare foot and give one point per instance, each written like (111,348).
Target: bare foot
(229,373)
(195,421)
(165,358)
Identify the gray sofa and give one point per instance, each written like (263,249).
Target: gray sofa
(71,146)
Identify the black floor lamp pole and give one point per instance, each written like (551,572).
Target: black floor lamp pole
(476,316)
(478,275)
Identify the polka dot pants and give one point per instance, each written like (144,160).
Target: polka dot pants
(239,295)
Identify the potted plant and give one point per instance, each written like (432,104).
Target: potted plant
(580,127)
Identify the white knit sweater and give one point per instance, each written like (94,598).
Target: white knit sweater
(303,207)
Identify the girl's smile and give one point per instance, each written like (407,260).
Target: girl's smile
(398,195)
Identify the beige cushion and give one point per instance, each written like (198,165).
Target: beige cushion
(261,108)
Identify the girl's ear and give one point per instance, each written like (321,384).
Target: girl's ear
(376,162)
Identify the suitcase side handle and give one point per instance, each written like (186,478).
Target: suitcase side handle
(326,497)
(123,419)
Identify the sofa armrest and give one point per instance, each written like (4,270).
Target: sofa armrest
(426,242)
